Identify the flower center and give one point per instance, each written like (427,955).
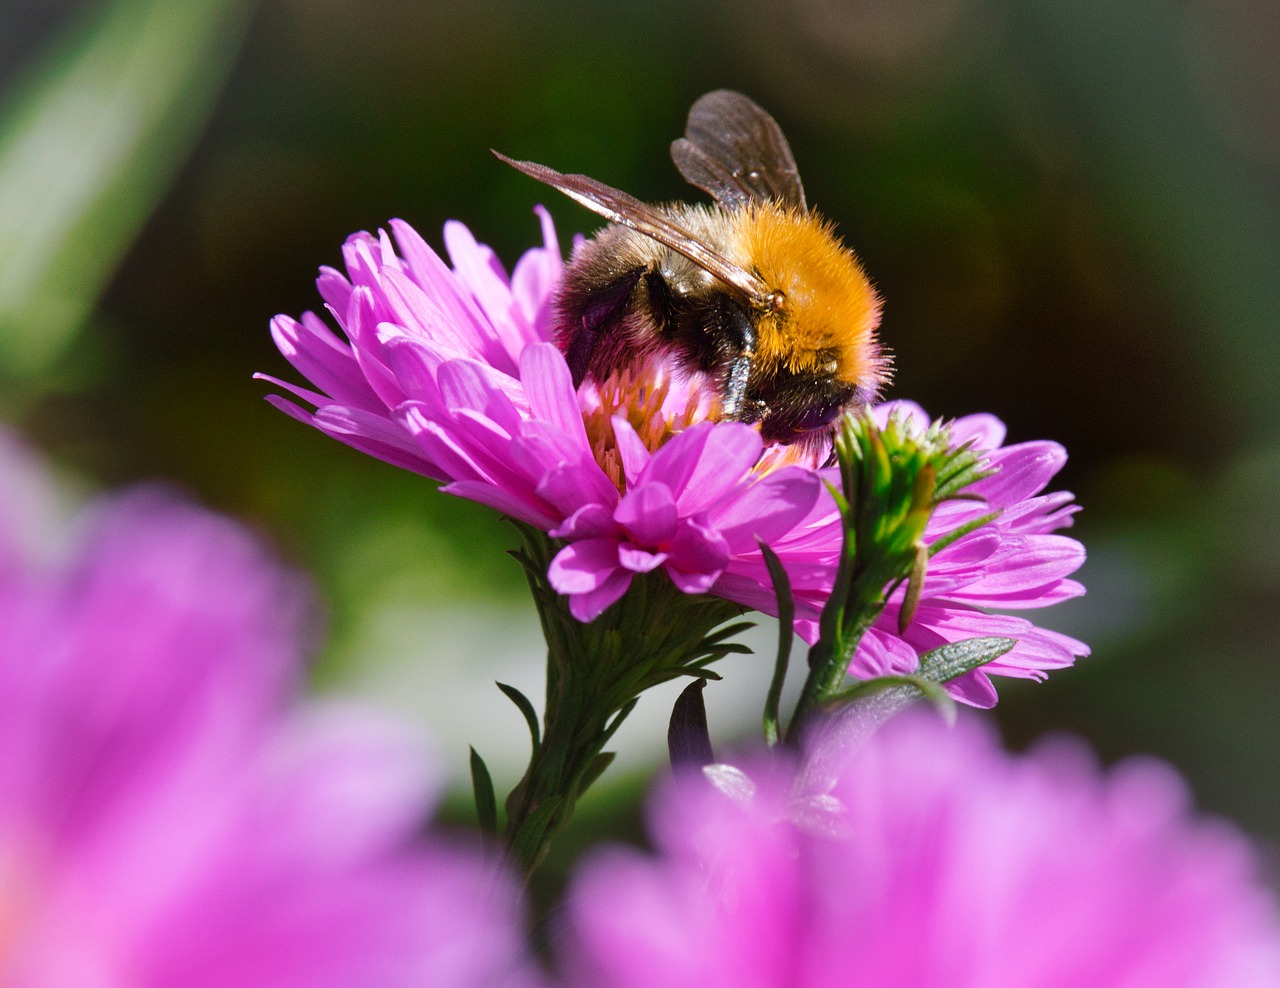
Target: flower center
(653,401)
(658,404)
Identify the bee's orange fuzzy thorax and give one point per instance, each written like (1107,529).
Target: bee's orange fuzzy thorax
(830,309)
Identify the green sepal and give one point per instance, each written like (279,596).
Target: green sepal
(915,587)
(786,634)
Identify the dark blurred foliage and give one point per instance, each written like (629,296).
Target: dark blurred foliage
(1070,208)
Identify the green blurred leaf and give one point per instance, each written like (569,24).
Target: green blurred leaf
(486,801)
(526,708)
(88,144)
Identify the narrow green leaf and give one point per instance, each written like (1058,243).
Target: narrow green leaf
(618,718)
(786,634)
(486,801)
(960,531)
(949,661)
(527,709)
(915,587)
(728,631)
(529,844)
(597,768)
(897,692)
(729,648)
(88,145)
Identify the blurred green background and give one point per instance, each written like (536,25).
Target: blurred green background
(1072,210)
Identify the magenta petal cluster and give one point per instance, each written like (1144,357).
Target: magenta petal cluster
(1013,562)
(169,817)
(936,860)
(692,508)
(449,370)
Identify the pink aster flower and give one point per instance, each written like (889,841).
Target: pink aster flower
(937,859)
(167,818)
(1013,562)
(449,371)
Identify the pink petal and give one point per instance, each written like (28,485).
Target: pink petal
(589,606)
(322,359)
(436,280)
(1022,471)
(673,464)
(507,502)
(639,560)
(985,431)
(552,397)
(632,451)
(729,453)
(581,567)
(698,549)
(768,509)
(571,487)
(589,521)
(1035,562)
(535,278)
(373,434)
(334,288)
(883,654)
(474,386)
(648,513)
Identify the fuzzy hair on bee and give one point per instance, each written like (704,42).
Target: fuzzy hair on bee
(755,291)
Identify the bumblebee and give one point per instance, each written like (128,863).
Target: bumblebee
(756,292)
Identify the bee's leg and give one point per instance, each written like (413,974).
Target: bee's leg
(598,311)
(737,326)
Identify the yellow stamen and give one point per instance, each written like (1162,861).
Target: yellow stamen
(657,407)
(642,393)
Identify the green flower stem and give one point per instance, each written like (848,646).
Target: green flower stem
(891,480)
(829,658)
(595,674)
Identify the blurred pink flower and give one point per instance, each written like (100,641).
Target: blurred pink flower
(169,818)
(450,372)
(935,860)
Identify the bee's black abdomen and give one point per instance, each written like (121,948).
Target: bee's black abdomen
(661,304)
(589,317)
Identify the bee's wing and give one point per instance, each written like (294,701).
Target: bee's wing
(618,207)
(735,150)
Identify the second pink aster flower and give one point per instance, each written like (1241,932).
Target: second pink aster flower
(1013,561)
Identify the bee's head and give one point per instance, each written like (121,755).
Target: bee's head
(816,351)
(791,407)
